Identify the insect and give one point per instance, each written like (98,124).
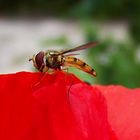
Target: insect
(61,60)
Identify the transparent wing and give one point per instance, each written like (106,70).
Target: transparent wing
(82,47)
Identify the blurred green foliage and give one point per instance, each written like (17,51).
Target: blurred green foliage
(95,9)
(59,41)
(116,64)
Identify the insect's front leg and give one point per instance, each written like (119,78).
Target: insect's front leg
(64,68)
(45,69)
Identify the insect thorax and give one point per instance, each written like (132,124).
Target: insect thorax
(53,59)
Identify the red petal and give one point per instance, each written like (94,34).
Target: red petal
(89,107)
(123,110)
(56,107)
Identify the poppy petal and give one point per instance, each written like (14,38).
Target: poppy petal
(123,110)
(58,106)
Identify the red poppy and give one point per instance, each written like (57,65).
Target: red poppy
(58,106)
(123,106)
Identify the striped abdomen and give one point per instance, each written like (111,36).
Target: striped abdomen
(75,62)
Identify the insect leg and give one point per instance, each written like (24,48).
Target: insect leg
(45,69)
(64,68)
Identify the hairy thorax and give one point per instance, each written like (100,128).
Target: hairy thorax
(54,59)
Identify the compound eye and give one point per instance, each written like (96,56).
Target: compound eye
(39,59)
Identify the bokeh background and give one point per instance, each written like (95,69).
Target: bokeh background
(27,27)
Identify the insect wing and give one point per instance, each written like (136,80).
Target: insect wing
(82,47)
(71,54)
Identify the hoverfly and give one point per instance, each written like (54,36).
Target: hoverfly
(58,60)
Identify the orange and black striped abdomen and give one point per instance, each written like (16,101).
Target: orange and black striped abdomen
(75,62)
